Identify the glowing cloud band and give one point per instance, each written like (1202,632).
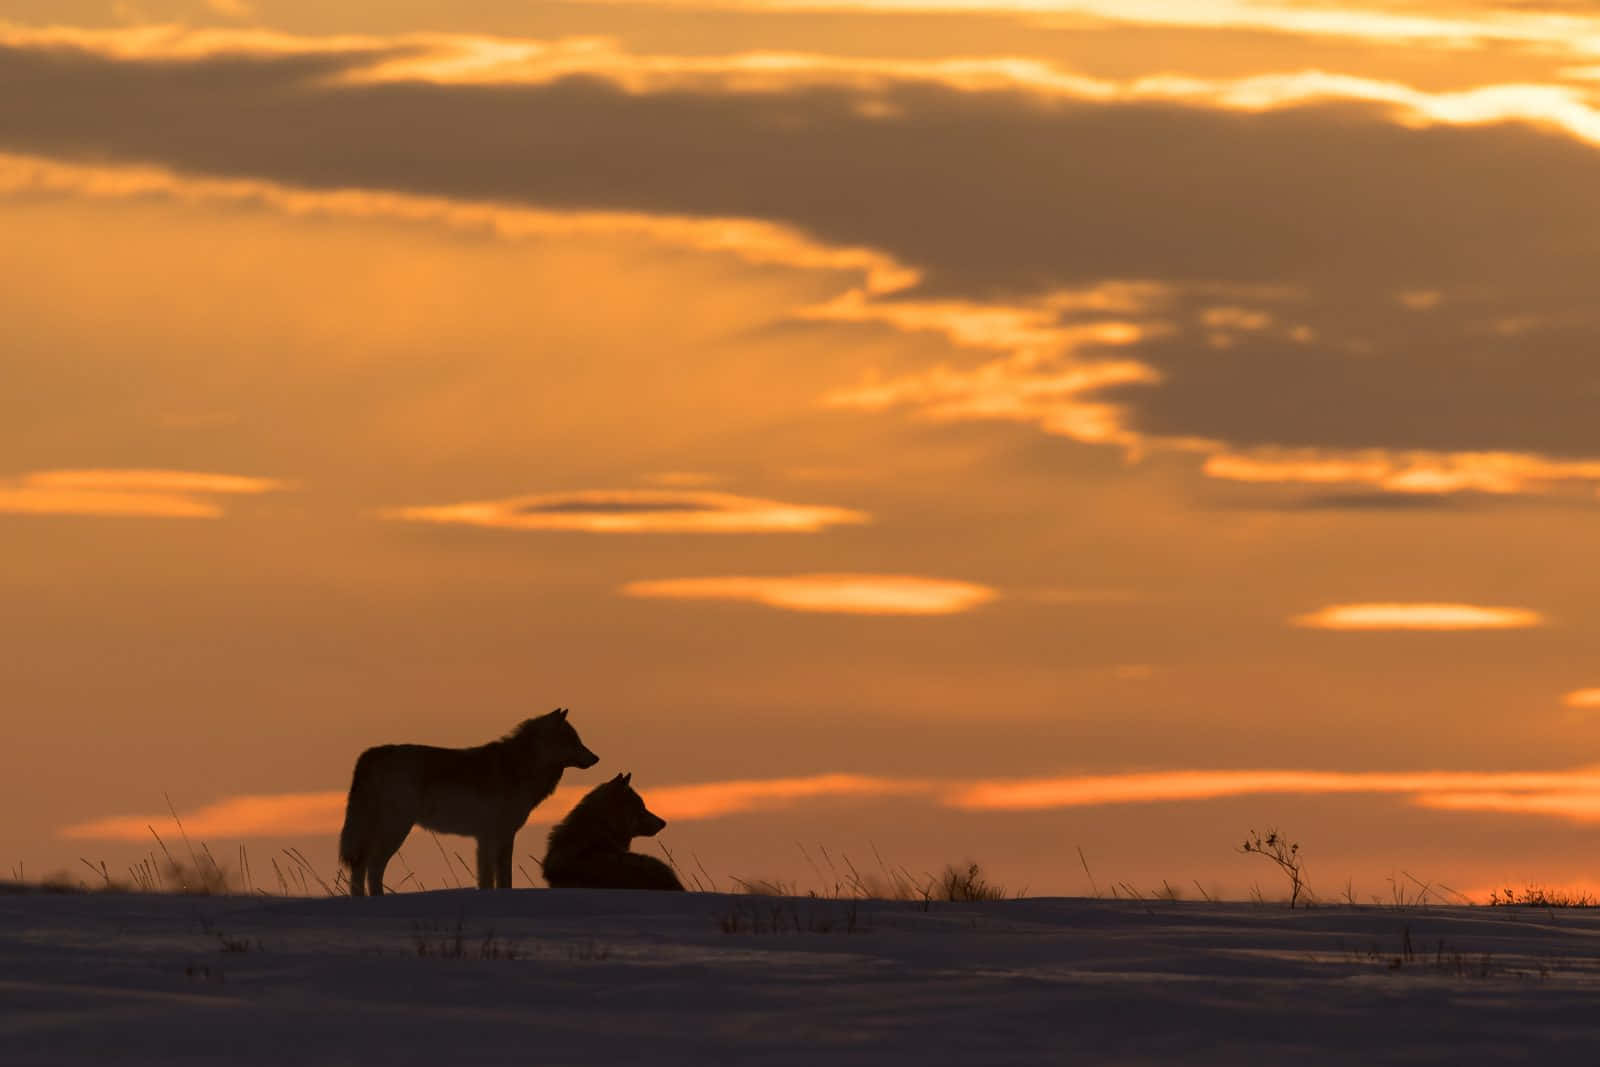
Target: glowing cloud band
(1570,794)
(1418,617)
(637,511)
(851,594)
(123,493)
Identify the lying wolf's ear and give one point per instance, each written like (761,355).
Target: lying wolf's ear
(619,778)
(626,778)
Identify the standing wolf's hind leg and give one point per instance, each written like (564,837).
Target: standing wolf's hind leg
(386,841)
(487,849)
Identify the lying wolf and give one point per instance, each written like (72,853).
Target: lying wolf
(589,848)
(484,792)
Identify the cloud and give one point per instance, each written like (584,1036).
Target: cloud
(755,241)
(477,60)
(636,511)
(1418,617)
(1582,698)
(1577,805)
(291,814)
(1112,138)
(851,594)
(113,493)
(1133,181)
(1558,27)
(257,815)
(1571,794)
(1050,379)
(139,480)
(1058,399)
(1039,794)
(712,800)
(1401,472)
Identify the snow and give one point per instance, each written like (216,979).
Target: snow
(614,977)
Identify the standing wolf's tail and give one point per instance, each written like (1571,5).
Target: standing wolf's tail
(359,813)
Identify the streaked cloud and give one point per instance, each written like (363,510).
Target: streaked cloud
(254,815)
(1580,805)
(500,61)
(1564,107)
(1464,25)
(290,814)
(1570,794)
(637,511)
(711,800)
(1447,27)
(1412,472)
(1582,698)
(468,60)
(1059,400)
(1050,379)
(1423,616)
(755,241)
(113,493)
(850,594)
(136,480)
(1039,794)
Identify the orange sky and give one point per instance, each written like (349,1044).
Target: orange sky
(950,429)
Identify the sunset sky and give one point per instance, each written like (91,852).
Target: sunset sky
(950,429)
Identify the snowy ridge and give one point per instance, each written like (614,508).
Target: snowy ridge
(585,977)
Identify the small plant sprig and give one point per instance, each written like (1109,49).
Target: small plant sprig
(1283,852)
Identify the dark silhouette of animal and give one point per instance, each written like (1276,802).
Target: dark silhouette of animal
(484,792)
(589,848)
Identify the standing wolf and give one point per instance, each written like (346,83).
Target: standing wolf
(589,848)
(484,792)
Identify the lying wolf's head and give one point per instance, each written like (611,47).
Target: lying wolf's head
(629,806)
(558,742)
(611,814)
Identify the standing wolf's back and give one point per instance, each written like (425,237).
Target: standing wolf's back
(387,776)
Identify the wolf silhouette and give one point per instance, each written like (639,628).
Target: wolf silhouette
(589,848)
(484,792)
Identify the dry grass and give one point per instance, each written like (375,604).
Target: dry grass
(843,880)
(1539,896)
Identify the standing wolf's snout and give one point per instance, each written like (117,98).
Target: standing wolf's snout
(653,824)
(584,759)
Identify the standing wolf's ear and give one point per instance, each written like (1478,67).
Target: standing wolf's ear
(561,713)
